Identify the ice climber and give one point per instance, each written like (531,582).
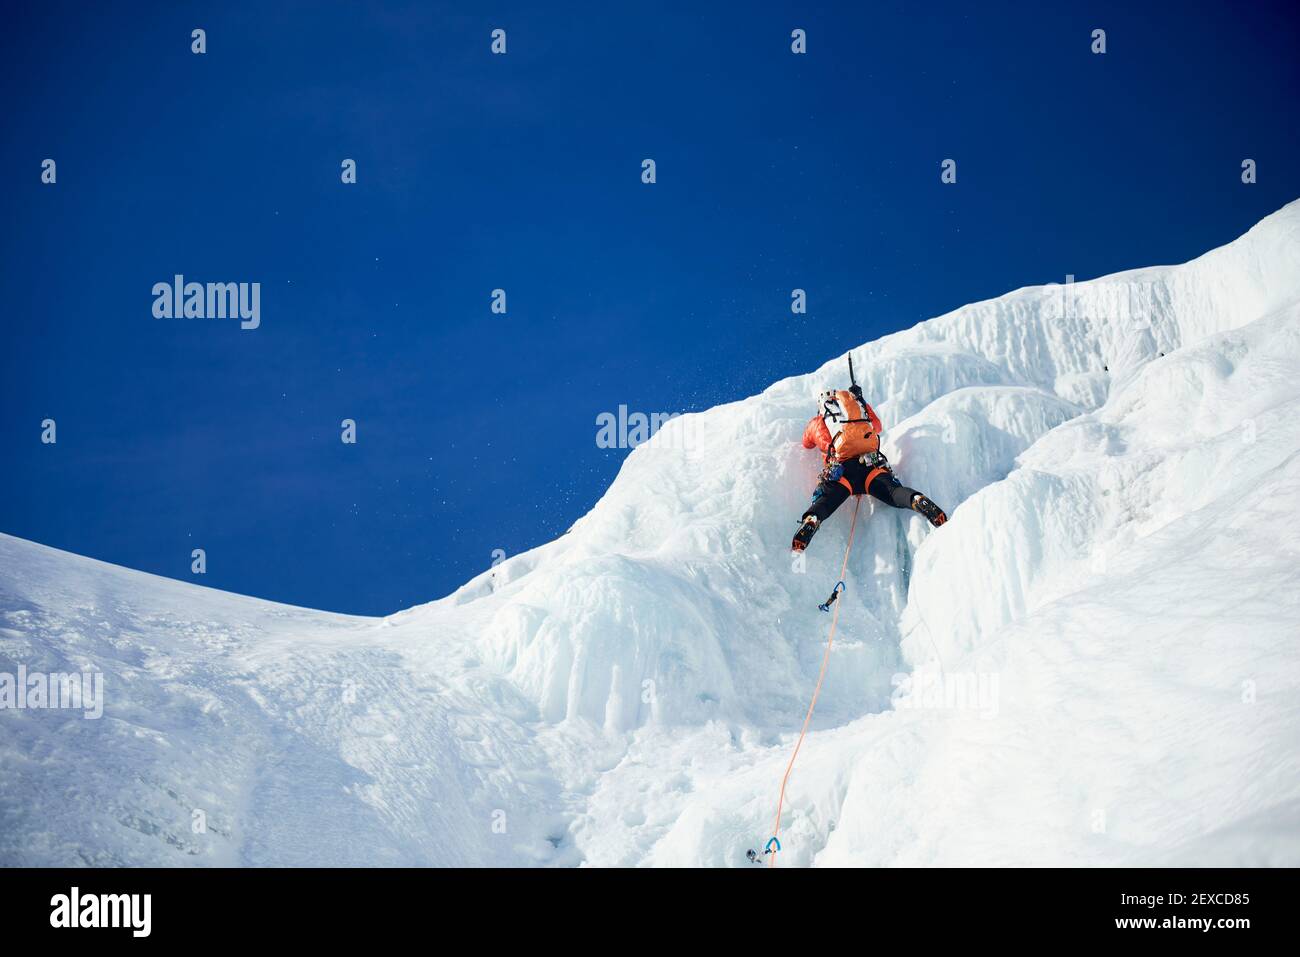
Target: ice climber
(847,432)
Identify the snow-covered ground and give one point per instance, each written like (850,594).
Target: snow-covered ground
(1095,662)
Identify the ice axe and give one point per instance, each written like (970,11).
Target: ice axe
(853,382)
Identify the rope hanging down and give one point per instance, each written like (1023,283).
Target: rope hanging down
(826,657)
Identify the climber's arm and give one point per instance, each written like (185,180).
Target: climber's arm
(875,419)
(816,434)
(856,391)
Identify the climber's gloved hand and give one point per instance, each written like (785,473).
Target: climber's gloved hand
(856,392)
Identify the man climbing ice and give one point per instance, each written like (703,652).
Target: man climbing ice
(847,432)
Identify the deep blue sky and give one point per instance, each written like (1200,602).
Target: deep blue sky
(476,171)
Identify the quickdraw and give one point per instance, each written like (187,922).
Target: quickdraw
(835,593)
(753,854)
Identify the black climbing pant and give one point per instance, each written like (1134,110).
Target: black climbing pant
(879,482)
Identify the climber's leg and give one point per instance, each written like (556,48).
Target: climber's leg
(886,487)
(827,497)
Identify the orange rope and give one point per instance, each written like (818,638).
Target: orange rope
(826,657)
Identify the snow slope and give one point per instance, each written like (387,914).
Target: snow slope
(1094,662)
